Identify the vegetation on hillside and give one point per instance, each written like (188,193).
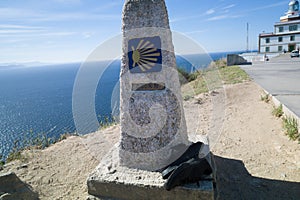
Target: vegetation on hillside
(214,77)
(33,141)
(42,141)
(105,121)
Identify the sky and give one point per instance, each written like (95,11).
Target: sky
(55,31)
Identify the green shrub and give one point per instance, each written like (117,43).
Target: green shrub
(64,136)
(185,77)
(266,98)
(106,122)
(31,141)
(278,112)
(200,86)
(187,97)
(221,63)
(193,76)
(16,153)
(291,128)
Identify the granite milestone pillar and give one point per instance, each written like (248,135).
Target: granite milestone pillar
(153,128)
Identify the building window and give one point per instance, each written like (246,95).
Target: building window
(279,39)
(267,40)
(279,48)
(267,49)
(292,38)
(293,28)
(296,6)
(280,29)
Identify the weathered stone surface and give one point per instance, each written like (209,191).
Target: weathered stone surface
(153,127)
(111,181)
(12,188)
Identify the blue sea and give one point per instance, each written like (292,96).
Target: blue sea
(37,100)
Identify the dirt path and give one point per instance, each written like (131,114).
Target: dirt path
(251,142)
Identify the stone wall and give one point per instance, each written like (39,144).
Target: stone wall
(234,59)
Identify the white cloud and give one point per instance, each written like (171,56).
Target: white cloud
(68,1)
(33,34)
(66,33)
(223,17)
(16,31)
(269,6)
(87,35)
(24,15)
(219,17)
(14,26)
(177,19)
(109,6)
(187,18)
(12,41)
(195,32)
(75,16)
(16,13)
(22,31)
(210,11)
(228,7)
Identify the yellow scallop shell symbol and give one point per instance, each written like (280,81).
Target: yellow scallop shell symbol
(145,55)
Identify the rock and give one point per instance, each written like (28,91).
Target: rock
(24,166)
(12,188)
(283,175)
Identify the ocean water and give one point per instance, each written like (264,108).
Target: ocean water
(38,100)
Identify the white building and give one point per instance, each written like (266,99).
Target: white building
(286,36)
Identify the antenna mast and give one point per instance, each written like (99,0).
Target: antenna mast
(247,49)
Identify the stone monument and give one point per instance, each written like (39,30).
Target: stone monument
(153,128)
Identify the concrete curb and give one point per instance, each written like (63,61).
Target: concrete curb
(287,112)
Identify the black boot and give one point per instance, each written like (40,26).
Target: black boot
(191,152)
(191,171)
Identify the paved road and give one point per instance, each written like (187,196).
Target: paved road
(281,78)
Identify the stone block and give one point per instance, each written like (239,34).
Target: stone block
(12,188)
(111,181)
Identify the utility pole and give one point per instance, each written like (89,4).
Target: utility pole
(247,49)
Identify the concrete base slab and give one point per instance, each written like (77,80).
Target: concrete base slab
(111,181)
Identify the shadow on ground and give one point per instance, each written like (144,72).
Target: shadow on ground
(235,182)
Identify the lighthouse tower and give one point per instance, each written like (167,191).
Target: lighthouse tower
(293,12)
